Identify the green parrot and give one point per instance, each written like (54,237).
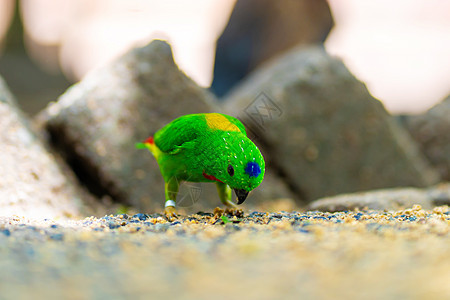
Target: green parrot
(208,147)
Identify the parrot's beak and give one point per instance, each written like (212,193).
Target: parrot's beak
(241,195)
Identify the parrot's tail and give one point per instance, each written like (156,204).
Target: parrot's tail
(150,145)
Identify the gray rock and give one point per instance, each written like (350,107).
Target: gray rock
(431,131)
(389,199)
(32,183)
(323,130)
(272,188)
(97,122)
(194,197)
(261,29)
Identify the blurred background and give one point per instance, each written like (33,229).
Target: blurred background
(400,49)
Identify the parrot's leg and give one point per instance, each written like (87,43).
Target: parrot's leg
(225,194)
(171,191)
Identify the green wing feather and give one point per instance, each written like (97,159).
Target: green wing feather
(171,137)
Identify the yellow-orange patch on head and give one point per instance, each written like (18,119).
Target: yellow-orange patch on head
(219,122)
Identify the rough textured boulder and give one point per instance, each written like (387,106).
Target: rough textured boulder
(323,130)
(97,122)
(32,183)
(431,131)
(389,199)
(194,197)
(261,29)
(272,188)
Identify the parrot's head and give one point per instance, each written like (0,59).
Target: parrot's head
(239,164)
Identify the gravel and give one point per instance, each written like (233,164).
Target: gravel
(381,254)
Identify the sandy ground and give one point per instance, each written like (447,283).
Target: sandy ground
(299,255)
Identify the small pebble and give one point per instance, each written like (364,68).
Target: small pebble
(141,217)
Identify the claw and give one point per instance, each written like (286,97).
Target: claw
(171,213)
(230,204)
(234,211)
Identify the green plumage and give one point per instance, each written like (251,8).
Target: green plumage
(207,148)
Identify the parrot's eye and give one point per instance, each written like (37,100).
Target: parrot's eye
(230,170)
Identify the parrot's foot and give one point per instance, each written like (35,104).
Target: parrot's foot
(230,204)
(218,212)
(171,213)
(233,211)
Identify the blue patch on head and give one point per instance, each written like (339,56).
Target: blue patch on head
(252,169)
